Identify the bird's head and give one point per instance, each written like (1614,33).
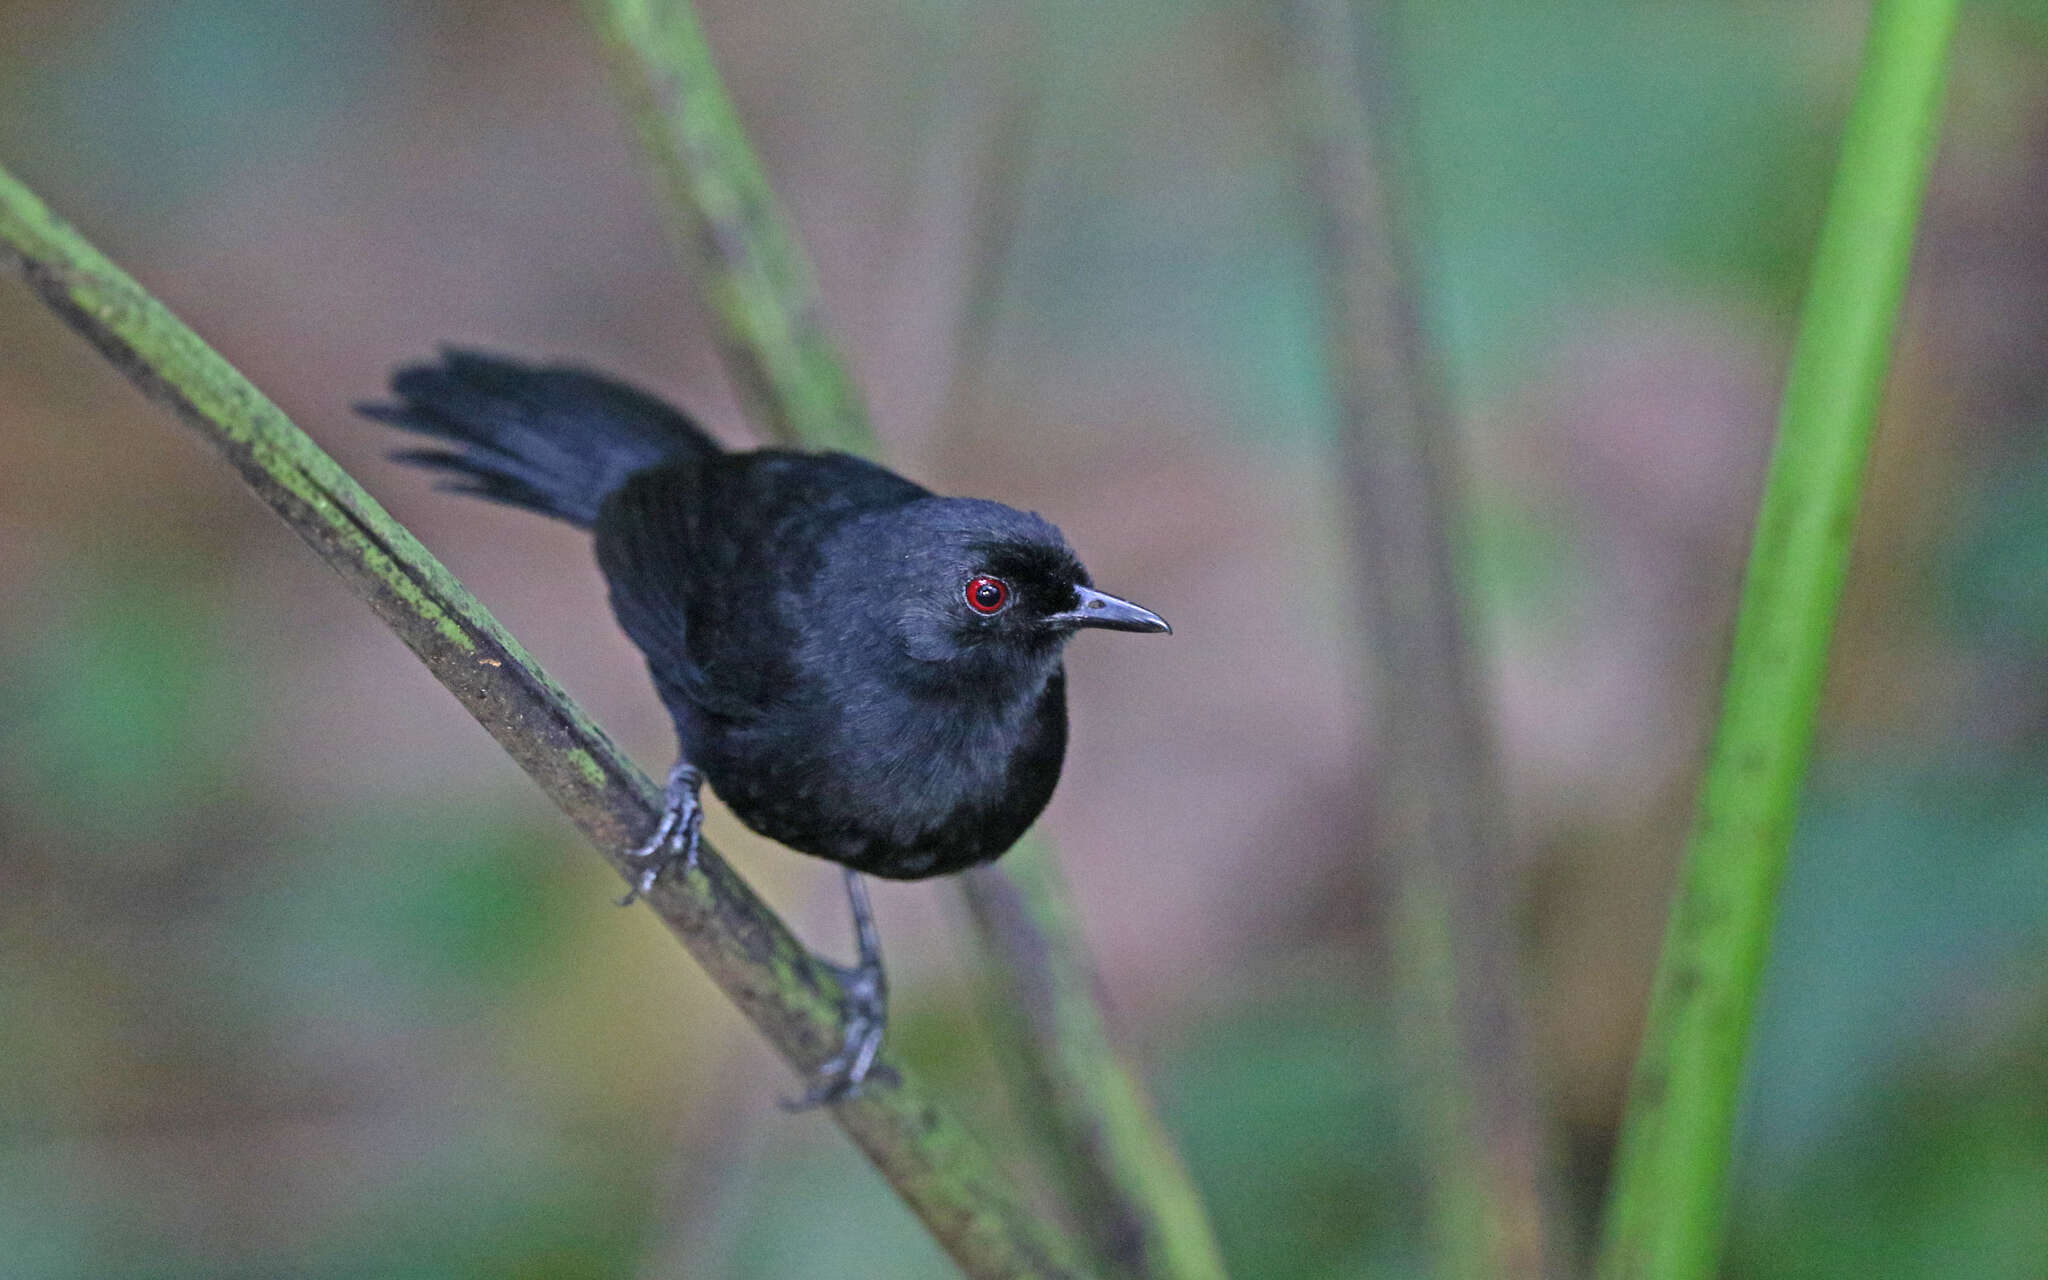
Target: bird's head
(978,586)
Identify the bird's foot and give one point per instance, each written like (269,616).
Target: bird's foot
(675,838)
(866,1012)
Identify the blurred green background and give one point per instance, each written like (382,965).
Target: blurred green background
(299,977)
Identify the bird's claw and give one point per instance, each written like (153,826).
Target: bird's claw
(676,837)
(866,1012)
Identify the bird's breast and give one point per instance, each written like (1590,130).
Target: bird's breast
(907,788)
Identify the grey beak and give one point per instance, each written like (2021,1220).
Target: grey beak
(1094,608)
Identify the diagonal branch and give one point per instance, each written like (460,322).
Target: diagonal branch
(1122,1176)
(941,1172)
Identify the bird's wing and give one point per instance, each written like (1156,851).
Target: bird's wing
(661,561)
(704,557)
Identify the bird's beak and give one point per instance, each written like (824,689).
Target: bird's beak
(1094,608)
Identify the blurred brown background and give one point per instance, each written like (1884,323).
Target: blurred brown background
(298,975)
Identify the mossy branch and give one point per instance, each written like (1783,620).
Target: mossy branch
(1670,1193)
(1437,796)
(792,997)
(1122,1177)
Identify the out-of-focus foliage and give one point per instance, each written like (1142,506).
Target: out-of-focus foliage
(1293,1193)
(297,977)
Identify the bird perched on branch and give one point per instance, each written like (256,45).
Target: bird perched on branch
(862,670)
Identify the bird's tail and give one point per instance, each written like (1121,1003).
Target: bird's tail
(552,439)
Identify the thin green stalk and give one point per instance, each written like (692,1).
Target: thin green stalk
(930,1158)
(1670,1188)
(1437,801)
(1142,1210)
(1123,1179)
(741,247)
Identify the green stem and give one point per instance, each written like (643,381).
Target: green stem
(1670,1188)
(1139,1205)
(1123,1178)
(939,1170)
(742,249)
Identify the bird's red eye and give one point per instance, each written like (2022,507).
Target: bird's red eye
(987,596)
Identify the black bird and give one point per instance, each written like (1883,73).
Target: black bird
(863,670)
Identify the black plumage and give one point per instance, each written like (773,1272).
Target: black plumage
(863,670)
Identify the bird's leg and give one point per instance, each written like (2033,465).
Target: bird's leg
(675,837)
(866,1011)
